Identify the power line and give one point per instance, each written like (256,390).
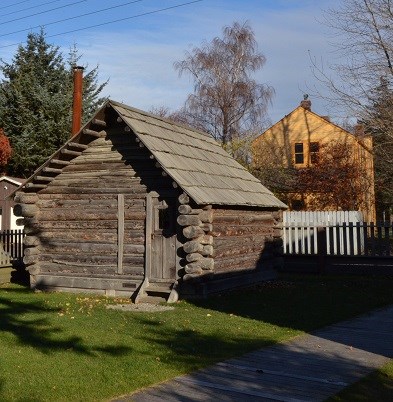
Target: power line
(72,18)
(29,8)
(43,12)
(126,18)
(15,4)
(114,21)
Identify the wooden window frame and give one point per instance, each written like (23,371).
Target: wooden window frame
(299,155)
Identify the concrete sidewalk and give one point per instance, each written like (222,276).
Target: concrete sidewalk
(308,368)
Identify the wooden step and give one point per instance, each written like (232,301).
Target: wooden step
(159,287)
(152,299)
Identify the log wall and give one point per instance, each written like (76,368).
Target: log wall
(245,239)
(78,226)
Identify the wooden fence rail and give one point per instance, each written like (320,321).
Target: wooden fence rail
(11,250)
(344,239)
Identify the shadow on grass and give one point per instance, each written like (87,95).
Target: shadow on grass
(192,348)
(40,333)
(304,303)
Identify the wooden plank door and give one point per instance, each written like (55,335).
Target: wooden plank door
(163,239)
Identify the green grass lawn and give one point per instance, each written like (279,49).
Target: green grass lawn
(63,347)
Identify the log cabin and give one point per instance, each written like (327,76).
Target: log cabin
(136,205)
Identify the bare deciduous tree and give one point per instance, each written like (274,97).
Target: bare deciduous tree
(227,102)
(363,88)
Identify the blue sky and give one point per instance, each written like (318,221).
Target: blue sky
(137,53)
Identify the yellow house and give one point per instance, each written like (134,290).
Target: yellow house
(298,143)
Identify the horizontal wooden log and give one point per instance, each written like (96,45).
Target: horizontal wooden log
(58,267)
(98,236)
(207,250)
(25,210)
(46,179)
(50,225)
(70,152)
(48,169)
(32,251)
(190,277)
(184,198)
(188,220)
(243,218)
(231,230)
(29,241)
(34,269)
(89,247)
(193,277)
(190,269)
(188,210)
(94,133)
(85,214)
(235,245)
(35,186)
(99,122)
(59,162)
(95,157)
(194,257)
(30,260)
(192,232)
(90,259)
(239,263)
(88,207)
(205,264)
(205,239)
(25,198)
(20,222)
(193,246)
(207,227)
(77,145)
(98,180)
(89,197)
(206,216)
(64,190)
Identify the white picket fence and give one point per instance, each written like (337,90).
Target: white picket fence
(300,232)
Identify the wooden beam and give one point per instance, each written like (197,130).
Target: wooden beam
(77,145)
(120,233)
(94,133)
(184,199)
(69,152)
(43,178)
(60,162)
(33,186)
(99,122)
(47,169)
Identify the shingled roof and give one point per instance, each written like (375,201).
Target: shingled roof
(194,160)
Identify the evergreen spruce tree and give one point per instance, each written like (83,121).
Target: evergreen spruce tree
(36,102)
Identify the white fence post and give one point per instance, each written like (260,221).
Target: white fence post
(300,231)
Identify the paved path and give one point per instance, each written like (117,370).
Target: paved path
(308,368)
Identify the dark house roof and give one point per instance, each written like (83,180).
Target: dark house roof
(194,160)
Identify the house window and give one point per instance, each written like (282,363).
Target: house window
(299,153)
(314,152)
